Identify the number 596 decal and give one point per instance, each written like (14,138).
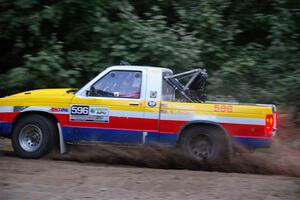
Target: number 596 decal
(79,110)
(223,108)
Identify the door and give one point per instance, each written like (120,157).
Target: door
(113,109)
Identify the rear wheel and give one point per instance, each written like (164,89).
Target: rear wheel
(33,136)
(207,144)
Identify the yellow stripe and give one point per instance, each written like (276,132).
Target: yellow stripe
(36,103)
(209,109)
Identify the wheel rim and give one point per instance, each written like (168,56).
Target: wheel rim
(201,147)
(30,137)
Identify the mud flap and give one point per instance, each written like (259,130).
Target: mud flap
(62,144)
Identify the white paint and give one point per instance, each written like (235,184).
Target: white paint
(144,137)
(232,120)
(155,115)
(37,108)
(4,109)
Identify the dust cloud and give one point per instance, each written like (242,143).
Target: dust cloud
(279,160)
(283,158)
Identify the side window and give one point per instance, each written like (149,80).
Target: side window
(118,84)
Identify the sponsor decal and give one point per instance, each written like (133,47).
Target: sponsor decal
(98,111)
(89,113)
(223,108)
(79,110)
(59,110)
(154,71)
(116,94)
(164,105)
(151,103)
(153,94)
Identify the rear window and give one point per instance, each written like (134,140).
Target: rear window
(168,92)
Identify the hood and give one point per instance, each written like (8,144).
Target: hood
(44,93)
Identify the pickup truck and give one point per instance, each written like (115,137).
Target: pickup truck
(135,105)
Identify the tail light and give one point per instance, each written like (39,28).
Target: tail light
(276,120)
(269,123)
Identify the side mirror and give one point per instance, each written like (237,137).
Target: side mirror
(91,91)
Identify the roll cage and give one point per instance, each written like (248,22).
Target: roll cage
(190,84)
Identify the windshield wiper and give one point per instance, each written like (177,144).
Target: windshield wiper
(73,90)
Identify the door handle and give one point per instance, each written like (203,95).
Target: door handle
(134,103)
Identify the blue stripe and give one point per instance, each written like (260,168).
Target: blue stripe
(5,129)
(108,135)
(136,137)
(168,138)
(253,143)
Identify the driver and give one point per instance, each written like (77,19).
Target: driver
(131,86)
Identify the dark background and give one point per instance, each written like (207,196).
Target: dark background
(251,48)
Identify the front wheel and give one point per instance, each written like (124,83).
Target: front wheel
(33,136)
(206,144)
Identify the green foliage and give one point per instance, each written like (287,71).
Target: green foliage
(250,48)
(45,68)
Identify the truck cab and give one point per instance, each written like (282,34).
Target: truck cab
(129,100)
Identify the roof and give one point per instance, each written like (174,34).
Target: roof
(130,67)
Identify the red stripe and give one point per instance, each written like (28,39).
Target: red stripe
(124,123)
(8,117)
(246,130)
(171,126)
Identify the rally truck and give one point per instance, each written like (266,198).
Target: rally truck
(135,105)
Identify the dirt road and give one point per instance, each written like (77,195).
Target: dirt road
(51,179)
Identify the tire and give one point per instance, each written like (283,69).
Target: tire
(33,136)
(207,144)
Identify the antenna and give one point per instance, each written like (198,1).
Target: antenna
(124,62)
